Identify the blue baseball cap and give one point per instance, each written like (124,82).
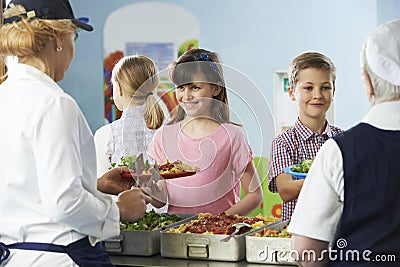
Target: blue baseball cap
(48,9)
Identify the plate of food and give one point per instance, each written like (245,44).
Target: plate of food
(176,169)
(176,175)
(129,161)
(168,170)
(134,175)
(163,175)
(300,170)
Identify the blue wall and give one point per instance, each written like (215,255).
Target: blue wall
(388,10)
(253,36)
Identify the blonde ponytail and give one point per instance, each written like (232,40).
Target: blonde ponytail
(153,113)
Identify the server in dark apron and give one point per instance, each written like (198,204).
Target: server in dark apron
(51,213)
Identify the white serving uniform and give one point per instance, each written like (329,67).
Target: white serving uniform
(48,171)
(320,203)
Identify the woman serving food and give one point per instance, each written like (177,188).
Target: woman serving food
(52,213)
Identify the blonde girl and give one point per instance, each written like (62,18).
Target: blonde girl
(134,80)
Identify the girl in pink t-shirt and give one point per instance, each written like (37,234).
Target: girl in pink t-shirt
(201,134)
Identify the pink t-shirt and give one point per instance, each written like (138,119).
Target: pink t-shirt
(221,156)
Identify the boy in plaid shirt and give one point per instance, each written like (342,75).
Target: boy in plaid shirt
(312,86)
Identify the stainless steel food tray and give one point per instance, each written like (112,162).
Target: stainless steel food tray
(203,246)
(269,250)
(139,243)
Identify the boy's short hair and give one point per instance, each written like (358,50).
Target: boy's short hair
(310,60)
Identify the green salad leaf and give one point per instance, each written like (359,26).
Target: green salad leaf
(303,166)
(150,221)
(129,161)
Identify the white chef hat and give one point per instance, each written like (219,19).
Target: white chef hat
(383,51)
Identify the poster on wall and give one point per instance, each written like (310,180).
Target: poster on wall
(158,40)
(162,54)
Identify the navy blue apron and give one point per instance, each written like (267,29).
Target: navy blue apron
(81,252)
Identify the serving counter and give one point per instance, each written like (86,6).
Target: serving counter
(172,248)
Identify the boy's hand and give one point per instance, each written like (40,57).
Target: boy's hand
(288,188)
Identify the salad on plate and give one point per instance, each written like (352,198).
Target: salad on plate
(299,170)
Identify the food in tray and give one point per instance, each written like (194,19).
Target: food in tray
(221,224)
(303,166)
(150,221)
(274,233)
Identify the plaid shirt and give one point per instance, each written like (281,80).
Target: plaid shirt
(290,147)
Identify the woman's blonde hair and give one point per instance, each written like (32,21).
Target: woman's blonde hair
(27,37)
(137,77)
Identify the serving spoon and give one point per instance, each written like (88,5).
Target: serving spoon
(237,227)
